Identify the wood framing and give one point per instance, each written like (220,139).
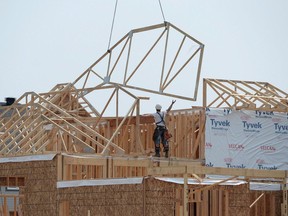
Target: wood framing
(243,95)
(120,55)
(64,184)
(71,152)
(42,125)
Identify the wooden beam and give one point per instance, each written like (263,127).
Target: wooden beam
(159,171)
(237,172)
(75,160)
(218,171)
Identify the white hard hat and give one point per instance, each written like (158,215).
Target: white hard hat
(158,107)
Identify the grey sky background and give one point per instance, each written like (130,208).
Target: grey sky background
(43,43)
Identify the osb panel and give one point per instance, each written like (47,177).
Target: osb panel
(104,200)
(278,201)
(239,200)
(239,211)
(156,199)
(152,197)
(160,197)
(40,185)
(268,205)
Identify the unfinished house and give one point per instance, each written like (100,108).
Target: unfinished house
(83,148)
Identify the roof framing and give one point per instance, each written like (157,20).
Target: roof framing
(243,94)
(166,75)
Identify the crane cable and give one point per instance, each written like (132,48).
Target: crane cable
(116,3)
(114,15)
(161,10)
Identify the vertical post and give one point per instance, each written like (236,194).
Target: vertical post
(110,170)
(79,171)
(139,146)
(15,206)
(220,204)
(205,204)
(284,204)
(272,205)
(235,98)
(105,168)
(70,171)
(59,167)
(5,206)
(137,131)
(185,194)
(264,205)
(226,203)
(201,134)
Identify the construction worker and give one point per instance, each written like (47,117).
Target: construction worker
(158,135)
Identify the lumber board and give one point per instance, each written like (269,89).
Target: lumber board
(238,172)
(85,160)
(254,173)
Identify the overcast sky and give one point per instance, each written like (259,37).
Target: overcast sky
(46,42)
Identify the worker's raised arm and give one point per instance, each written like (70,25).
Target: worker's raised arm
(170,107)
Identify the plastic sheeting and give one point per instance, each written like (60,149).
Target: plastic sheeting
(246,139)
(191,181)
(99,182)
(44,157)
(204,182)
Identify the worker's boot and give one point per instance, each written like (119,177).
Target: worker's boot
(166,154)
(166,150)
(157,152)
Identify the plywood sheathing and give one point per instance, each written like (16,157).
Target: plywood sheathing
(239,201)
(153,196)
(103,200)
(156,197)
(159,197)
(40,185)
(149,198)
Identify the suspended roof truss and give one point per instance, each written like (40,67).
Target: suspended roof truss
(131,63)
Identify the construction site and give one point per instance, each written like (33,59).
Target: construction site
(84,148)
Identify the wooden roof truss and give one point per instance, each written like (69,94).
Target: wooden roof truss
(71,116)
(117,65)
(243,94)
(54,121)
